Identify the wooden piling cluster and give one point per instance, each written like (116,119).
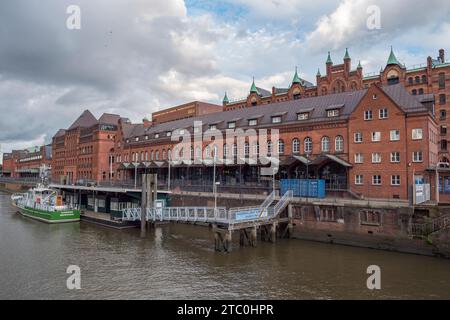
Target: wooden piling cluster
(148,197)
(268,231)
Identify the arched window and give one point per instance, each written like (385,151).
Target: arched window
(215,152)
(417,79)
(420,91)
(207,152)
(308,145)
(169,154)
(325,144)
(164,154)
(225,150)
(424,79)
(152,157)
(414,92)
(157,155)
(269,147)
(191,153)
(410,80)
(234,151)
(339,144)
(280,147)
(198,153)
(295,146)
(255,148)
(246,149)
(146,155)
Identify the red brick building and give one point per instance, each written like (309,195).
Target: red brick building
(85,150)
(373,142)
(27,163)
(432,77)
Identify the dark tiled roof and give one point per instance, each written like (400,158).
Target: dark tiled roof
(403,98)
(316,106)
(60,133)
(86,120)
(108,118)
(263,92)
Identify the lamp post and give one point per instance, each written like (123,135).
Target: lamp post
(214,182)
(110,166)
(169,157)
(307,175)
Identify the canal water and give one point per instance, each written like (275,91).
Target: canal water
(178,262)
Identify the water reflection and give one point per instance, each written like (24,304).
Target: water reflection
(178,262)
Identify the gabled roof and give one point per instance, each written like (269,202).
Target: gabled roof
(109,118)
(406,101)
(316,106)
(60,133)
(86,120)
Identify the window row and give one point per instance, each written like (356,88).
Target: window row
(377,181)
(417,156)
(394,135)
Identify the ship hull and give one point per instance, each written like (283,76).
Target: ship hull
(66,216)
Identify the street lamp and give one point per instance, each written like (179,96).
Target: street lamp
(307,175)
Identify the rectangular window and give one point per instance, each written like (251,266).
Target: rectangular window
(213,127)
(359,158)
(276,119)
(395,180)
(333,113)
(395,135)
(358,137)
(417,156)
(252,122)
(370,217)
(442,99)
(383,113)
(231,125)
(395,157)
(368,115)
(303,116)
(441,80)
(359,179)
(376,136)
(376,180)
(417,134)
(376,157)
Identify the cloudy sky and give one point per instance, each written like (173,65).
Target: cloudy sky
(133,57)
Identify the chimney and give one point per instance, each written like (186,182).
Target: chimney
(442,55)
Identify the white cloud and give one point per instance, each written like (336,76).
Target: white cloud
(347,25)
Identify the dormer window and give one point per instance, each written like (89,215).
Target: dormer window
(252,122)
(231,125)
(276,119)
(146,137)
(303,116)
(136,139)
(128,141)
(156,135)
(168,134)
(333,113)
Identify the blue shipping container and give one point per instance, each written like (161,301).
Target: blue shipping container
(304,188)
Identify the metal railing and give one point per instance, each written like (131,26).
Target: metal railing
(425,229)
(209,214)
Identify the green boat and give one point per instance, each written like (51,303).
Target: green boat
(44,204)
